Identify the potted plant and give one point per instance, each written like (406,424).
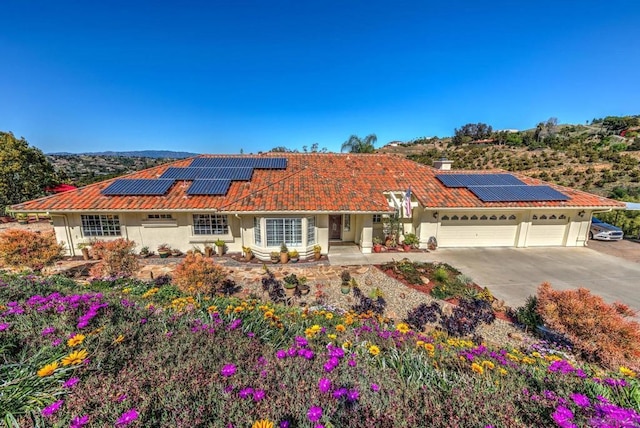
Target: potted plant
(220,246)
(284,253)
(294,256)
(345,286)
(208,250)
(247,253)
(303,287)
(144,252)
(175,252)
(290,284)
(275,257)
(84,247)
(410,241)
(164,251)
(377,244)
(317,251)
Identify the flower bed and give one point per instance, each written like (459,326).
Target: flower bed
(144,355)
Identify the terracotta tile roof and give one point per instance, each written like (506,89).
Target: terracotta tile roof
(328,182)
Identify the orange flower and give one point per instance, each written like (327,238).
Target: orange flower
(76,340)
(75,358)
(48,369)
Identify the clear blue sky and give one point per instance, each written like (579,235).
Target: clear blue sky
(220,76)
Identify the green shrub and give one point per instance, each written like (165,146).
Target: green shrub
(527,315)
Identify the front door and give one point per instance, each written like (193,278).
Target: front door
(335,226)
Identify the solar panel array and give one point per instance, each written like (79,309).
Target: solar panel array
(210,176)
(209,187)
(517,193)
(194,173)
(138,186)
(501,188)
(466,180)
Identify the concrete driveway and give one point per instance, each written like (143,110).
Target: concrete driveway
(513,274)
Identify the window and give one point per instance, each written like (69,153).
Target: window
(100,225)
(159,217)
(377,218)
(346,222)
(257,232)
(311,230)
(210,224)
(445,217)
(474,217)
(287,230)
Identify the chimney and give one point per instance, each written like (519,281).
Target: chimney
(442,164)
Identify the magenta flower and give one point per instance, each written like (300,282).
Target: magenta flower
(71,382)
(324,385)
(127,417)
(563,416)
(353,395)
(79,421)
(281,354)
(228,370)
(315,413)
(52,408)
(56,342)
(47,331)
(258,395)
(580,400)
(4,326)
(245,392)
(375,387)
(121,398)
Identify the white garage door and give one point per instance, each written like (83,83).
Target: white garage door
(547,231)
(477,230)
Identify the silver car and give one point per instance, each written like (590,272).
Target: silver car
(604,231)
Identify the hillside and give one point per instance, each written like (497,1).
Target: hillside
(587,157)
(163,154)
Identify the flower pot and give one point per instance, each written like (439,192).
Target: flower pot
(406,247)
(208,251)
(164,254)
(290,292)
(294,259)
(284,257)
(85,253)
(220,250)
(377,248)
(345,289)
(317,255)
(304,289)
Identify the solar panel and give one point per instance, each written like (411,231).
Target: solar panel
(209,187)
(137,186)
(466,180)
(194,173)
(260,163)
(517,193)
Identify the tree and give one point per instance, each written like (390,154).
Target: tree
(356,144)
(24,171)
(471,132)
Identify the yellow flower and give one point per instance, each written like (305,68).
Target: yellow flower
(264,423)
(528,360)
(76,340)
(627,372)
(212,308)
(316,328)
(331,336)
(488,364)
(329,315)
(346,344)
(403,328)
(126,290)
(536,354)
(75,358)
(374,350)
(48,369)
(430,347)
(340,328)
(118,339)
(477,368)
(419,343)
(502,371)
(150,292)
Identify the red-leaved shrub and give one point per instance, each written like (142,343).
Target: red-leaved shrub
(19,248)
(599,331)
(198,275)
(116,258)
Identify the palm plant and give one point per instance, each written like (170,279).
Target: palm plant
(356,144)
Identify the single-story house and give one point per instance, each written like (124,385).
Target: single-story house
(304,199)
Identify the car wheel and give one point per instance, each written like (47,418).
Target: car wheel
(590,235)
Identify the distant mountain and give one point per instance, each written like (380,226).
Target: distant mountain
(156,154)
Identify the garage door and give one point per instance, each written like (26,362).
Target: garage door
(547,231)
(477,230)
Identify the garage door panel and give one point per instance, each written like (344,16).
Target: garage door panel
(546,235)
(477,235)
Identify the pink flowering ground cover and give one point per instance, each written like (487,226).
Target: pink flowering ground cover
(124,353)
